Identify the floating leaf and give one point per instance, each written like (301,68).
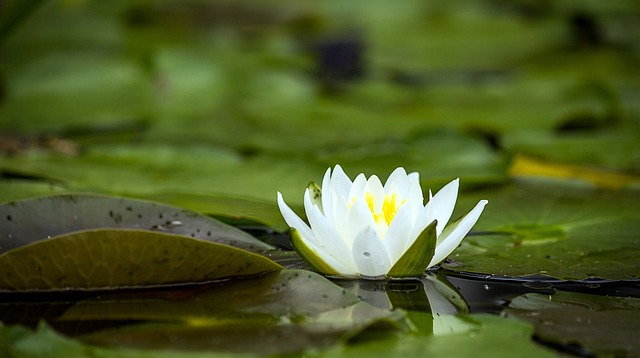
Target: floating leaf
(108,258)
(24,222)
(606,326)
(559,229)
(234,208)
(493,336)
(283,312)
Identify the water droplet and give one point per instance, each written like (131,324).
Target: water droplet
(172,223)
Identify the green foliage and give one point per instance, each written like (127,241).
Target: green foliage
(23,220)
(107,258)
(607,325)
(559,229)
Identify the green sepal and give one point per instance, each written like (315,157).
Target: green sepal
(316,194)
(309,255)
(415,260)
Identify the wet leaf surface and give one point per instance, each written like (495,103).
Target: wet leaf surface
(111,258)
(556,229)
(29,221)
(592,324)
(491,335)
(282,312)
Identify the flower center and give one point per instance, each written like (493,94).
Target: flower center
(390,206)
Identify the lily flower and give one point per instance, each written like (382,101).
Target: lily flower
(367,229)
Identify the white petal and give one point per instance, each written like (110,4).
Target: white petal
(357,188)
(398,237)
(308,204)
(399,178)
(329,239)
(451,241)
(341,216)
(440,206)
(414,176)
(414,196)
(328,259)
(326,192)
(369,254)
(340,182)
(421,222)
(374,186)
(294,220)
(360,218)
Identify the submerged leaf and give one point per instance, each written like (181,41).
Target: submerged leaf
(109,258)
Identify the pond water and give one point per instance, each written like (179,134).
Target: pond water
(587,318)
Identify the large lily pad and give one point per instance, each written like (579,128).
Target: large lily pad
(558,228)
(492,336)
(108,258)
(27,221)
(284,312)
(604,326)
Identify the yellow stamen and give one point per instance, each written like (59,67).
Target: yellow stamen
(370,201)
(389,207)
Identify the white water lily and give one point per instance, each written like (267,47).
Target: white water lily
(364,228)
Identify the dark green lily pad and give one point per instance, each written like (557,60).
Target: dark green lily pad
(108,258)
(490,335)
(234,208)
(147,170)
(561,229)
(606,326)
(28,221)
(284,312)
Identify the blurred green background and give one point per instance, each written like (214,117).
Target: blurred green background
(182,101)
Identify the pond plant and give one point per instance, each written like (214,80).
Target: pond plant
(362,228)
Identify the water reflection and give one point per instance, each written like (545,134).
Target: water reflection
(431,302)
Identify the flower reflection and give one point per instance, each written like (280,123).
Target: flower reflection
(430,302)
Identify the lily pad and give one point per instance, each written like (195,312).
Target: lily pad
(554,228)
(283,312)
(225,206)
(123,258)
(108,258)
(606,326)
(493,336)
(28,221)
